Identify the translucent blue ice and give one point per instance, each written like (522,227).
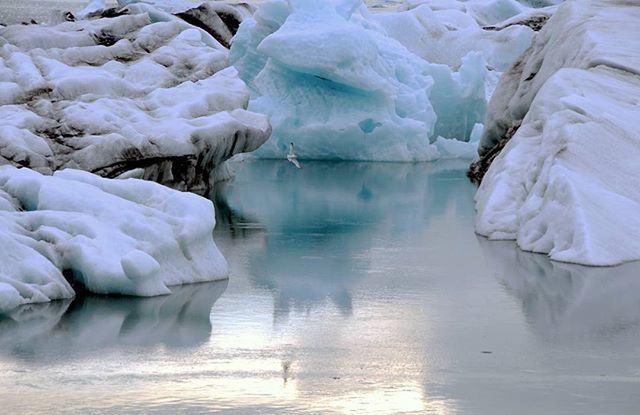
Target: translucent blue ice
(337,86)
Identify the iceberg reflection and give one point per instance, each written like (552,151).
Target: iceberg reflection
(320,223)
(91,323)
(344,194)
(563,301)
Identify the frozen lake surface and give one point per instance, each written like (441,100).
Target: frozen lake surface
(354,288)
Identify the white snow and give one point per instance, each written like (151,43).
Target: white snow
(130,236)
(143,90)
(566,183)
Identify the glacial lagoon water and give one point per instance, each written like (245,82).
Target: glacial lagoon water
(355,288)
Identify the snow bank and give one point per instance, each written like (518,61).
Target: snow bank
(566,182)
(142,91)
(128,237)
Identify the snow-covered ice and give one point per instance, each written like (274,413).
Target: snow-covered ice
(94,6)
(566,183)
(445,33)
(142,91)
(220,19)
(109,236)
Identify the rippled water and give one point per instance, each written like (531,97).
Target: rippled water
(354,288)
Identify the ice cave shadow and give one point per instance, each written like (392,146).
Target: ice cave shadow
(565,302)
(90,323)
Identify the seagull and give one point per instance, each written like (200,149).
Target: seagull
(291,156)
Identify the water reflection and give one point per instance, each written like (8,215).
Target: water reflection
(335,196)
(565,301)
(320,223)
(91,323)
(354,288)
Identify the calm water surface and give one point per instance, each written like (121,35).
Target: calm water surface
(354,288)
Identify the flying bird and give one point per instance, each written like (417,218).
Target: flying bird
(291,156)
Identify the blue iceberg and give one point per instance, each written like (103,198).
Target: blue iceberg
(334,83)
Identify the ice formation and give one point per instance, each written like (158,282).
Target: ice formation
(94,6)
(143,91)
(339,87)
(566,182)
(445,32)
(220,19)
(109,236)
(343,83)
(170,6)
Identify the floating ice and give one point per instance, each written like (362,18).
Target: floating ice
(444,33)
(452,148)
(94,6)
(339,86)
(171,6)
(484,12)
(112,236)
(143,90)
(566,183)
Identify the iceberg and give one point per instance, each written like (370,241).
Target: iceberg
(107,236)
(563,128)
(446,33)
(220,19)
(133,91)
(337,84)
(93,7)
